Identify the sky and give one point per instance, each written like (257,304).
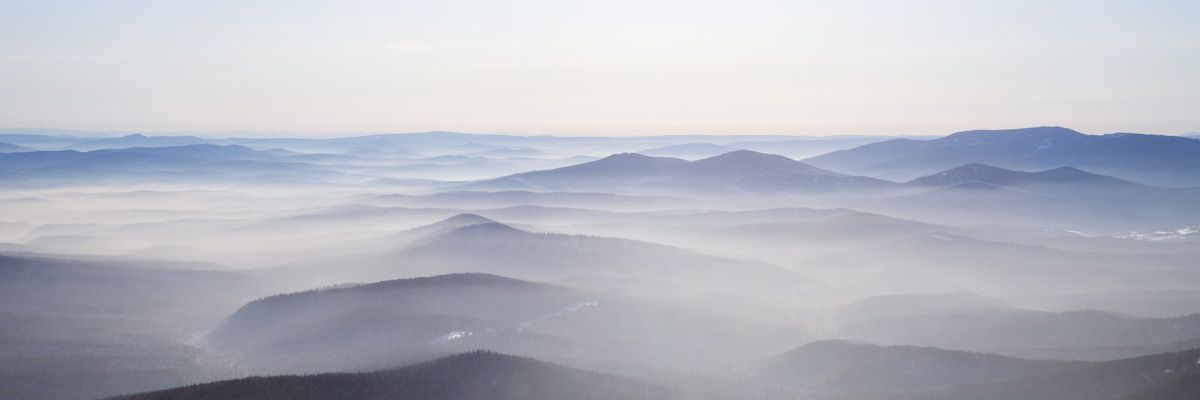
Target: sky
(600,67)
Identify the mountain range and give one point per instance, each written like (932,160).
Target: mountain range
(1169,161)
(188,163)
(736,172)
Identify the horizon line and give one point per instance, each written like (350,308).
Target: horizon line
(267,134)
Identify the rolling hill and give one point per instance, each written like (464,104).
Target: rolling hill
(856,371)
(137,140)
(1021,331)
(369,326)
(496,248)
(860,367)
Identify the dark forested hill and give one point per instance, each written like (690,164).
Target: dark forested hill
(1167,374)
(470,376)
(74,328)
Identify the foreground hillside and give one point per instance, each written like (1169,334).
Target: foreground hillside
(821,370)
(78,328)
(468,376)
(847,366)
(856,371)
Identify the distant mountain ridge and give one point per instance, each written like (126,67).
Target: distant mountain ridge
(180,163)
(1170,161)
(137,140)
(740,171)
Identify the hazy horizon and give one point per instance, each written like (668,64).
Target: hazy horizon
(333,134)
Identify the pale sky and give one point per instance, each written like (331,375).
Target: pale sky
(601,67)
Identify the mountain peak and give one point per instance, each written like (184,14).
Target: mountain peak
(626,156)
(748,160)
(451,224)
(465,219)
(484,229)
(1065,172)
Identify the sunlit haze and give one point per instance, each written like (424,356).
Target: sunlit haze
(600,67)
